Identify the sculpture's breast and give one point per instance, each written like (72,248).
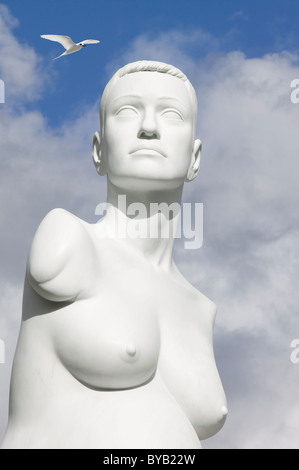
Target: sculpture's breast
(107,343)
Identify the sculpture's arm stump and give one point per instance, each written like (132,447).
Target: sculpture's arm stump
(61,260)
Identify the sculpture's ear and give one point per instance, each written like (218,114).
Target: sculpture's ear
(98,160)
(195,161)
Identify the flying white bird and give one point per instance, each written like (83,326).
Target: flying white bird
(67,43)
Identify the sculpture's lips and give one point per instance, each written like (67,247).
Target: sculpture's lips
(150,151)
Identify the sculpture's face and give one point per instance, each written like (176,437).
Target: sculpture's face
(148,135)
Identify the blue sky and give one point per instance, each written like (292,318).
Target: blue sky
(241,57)
(255,28)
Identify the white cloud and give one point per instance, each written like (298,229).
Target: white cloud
(20,67)
(249,261)
(169,47)
(10,316)
(238,15)
(40,168)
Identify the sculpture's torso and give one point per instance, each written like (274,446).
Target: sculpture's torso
(130,364)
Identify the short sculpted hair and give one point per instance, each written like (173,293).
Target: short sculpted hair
(147,66)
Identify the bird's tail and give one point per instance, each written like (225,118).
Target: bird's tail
(64,53)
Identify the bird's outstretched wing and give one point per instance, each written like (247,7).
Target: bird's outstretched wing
(89,41)
(65,41)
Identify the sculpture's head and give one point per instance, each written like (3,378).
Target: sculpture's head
(148,117)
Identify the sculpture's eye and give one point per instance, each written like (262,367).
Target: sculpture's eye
(172,114)
(127,111)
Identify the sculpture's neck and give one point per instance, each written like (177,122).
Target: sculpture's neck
(146,220)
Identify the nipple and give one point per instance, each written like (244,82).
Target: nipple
(131,349)
(129,352)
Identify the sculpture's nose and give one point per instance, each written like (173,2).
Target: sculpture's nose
(149,128)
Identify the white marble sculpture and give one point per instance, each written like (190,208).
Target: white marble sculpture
(116,347)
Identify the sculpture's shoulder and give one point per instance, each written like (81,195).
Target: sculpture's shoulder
(59,220)
(60,245)
(57,223)
(56,236)
(203,313)
(205,307)
(208,308)
(59,215)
